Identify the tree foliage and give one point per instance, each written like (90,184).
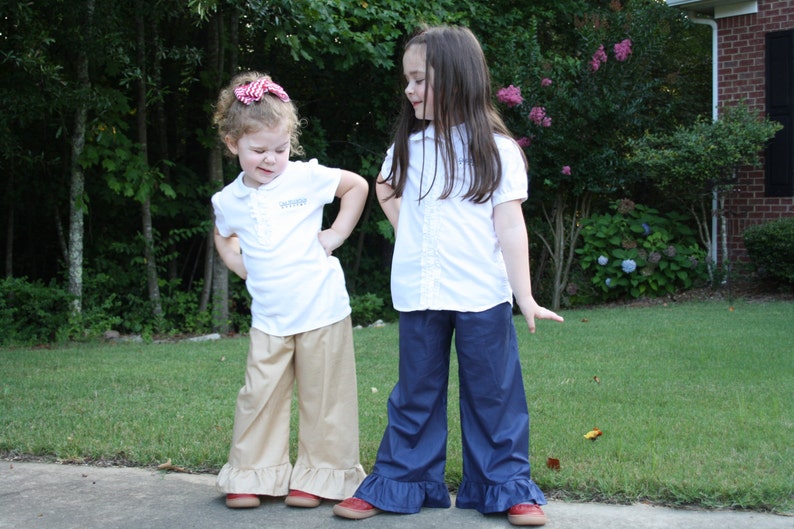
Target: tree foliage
(694,159)
(699,161)
(338,60)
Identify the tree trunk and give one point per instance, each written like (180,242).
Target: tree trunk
(371,201)
(216,267)
(161,132)
(558,230)
(562,247)
(9,264)
(581,210)
(209,287)
(77,185)
(539,270)
(146,203)
(702,219)
(216,275)
(726,265)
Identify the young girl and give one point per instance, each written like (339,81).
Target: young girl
(268,231)
(452,186)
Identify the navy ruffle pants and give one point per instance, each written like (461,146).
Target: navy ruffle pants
(409,469)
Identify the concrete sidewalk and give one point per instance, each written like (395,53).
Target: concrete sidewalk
(53,496)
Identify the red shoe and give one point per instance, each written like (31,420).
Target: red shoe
(298,498)
(242,501)
(355,509)
(526,514)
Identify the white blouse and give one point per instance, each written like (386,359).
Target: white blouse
(447,255)
(295,287)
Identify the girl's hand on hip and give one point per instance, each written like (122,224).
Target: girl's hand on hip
(330,240)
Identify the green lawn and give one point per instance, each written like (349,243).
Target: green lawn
(694,400)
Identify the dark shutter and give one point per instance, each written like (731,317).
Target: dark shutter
(780,107)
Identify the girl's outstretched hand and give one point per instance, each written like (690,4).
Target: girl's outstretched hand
(532,311)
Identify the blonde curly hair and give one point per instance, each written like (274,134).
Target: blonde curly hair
(233,118)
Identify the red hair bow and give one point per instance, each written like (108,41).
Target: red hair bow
(253,91)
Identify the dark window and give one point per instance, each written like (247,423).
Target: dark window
(780,107)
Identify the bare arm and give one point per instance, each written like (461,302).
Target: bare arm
(352,191)
(388,202)
(512,234)
(229,250)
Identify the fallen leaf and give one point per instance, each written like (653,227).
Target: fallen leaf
(553,463)
(593,434)
(596,380)
(170,466)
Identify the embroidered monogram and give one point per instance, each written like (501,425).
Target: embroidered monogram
(294,203)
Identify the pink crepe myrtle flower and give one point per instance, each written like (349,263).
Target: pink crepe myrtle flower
(510,96)
(537,115)
(545,82)
(623,50)
(566,170)
(599,57)
(524,142)
(546,122)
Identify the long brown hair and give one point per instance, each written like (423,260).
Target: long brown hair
(461,87)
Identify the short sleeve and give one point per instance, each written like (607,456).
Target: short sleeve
(515,182)
(385,167)
(220,219)
(324,180)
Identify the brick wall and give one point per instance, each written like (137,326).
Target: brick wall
(741,76)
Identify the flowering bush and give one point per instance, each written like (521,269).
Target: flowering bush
(636,252)
(581,99)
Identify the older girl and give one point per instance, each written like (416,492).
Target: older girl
(452,186)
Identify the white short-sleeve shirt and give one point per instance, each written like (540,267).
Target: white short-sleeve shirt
(295,287)
(447,255)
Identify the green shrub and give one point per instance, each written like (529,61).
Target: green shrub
(181,308)
(32,312)
(366,308)
(770,247)
(637,252)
